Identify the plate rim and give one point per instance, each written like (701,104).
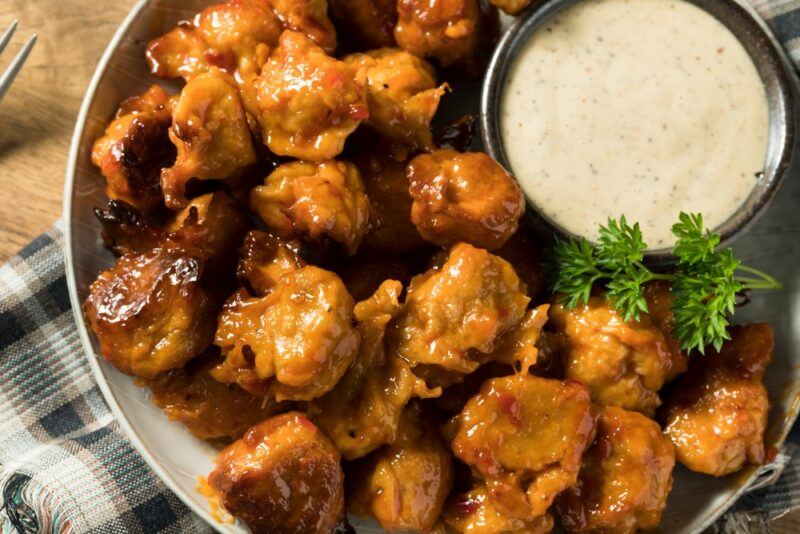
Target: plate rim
(93,359)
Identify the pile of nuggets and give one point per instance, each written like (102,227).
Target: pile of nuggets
(308,278)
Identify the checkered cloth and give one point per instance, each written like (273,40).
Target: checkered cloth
(65,466)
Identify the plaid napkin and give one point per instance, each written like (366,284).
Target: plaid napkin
(65,466)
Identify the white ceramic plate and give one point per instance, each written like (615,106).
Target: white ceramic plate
(178,458)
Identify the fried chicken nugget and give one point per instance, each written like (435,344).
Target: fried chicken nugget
(313,200)
(363,411)
(625,477)
(236,36)
(717,413)
(135,147)
(308,101)
(282,477)
(210,131)
(624,363)
(463,197)
(295,343)
(461,308)
(404,485)
(402,95)
(150,312)
(447,30)
(525,436)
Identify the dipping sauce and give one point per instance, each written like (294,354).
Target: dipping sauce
(638,107)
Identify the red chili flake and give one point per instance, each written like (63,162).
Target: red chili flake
(485,461)
(467,506)
(219,59)
(509,406)
(770,454)
(333,79)
(359,113)
(306,422)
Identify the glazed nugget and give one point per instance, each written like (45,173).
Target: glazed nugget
(294,343)
(463,197)
(283,476)
(404,485)
(135,147)
(150,312)
(402,95)
(625,477)
(313,200)
(362,412)
(210,131)
(236,36)
(459,309)
(525,436)
(308,101)
(717,414)
(446,30)
(624,363)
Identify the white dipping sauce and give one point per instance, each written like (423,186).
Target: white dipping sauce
(638,107)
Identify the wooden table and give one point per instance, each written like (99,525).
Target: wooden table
(38,114)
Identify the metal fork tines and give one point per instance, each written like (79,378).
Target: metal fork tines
(16,64)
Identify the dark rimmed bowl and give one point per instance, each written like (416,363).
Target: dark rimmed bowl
(774,68)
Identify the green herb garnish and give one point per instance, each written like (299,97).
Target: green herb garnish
(704,281)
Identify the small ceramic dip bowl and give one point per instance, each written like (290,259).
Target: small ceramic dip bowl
(779,125)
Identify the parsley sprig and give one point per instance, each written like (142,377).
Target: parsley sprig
(704,281)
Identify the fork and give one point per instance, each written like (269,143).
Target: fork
(16,64)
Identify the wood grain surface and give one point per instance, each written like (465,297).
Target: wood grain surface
(38,114)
